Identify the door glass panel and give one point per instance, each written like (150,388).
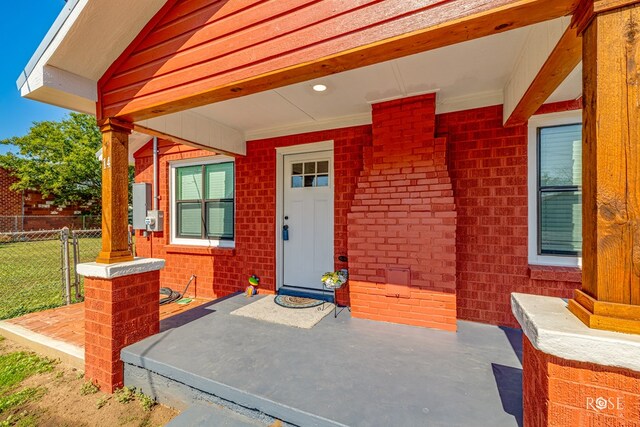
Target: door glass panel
(296,169)
(309,180)
(310,167)
(323,167)
(296,181)
(322,181)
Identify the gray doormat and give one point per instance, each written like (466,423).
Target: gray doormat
(267,310)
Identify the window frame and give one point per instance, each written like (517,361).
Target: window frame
(535,255)
(174,212)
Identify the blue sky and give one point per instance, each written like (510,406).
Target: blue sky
(25,24)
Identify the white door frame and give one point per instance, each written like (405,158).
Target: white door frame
(280,153)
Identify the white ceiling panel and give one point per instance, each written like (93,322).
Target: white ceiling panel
(570,89)
(347,93)
(467,75)
(258,111)
(481,65)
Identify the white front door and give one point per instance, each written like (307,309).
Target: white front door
(308,218)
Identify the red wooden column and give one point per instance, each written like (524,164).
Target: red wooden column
(610,294)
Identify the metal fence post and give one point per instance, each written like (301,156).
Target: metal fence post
(64,236)
(76,259)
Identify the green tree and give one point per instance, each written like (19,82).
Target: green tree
(58,159)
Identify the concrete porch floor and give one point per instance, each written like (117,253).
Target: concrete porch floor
(343,371)
(59,332)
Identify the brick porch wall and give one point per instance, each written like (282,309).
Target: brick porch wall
(559,392)
(403,217)
(488,165)
(221,272)
(488,169)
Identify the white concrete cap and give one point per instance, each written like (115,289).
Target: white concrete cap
(554,330)
(109,271)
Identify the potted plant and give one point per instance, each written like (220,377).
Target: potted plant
(334,279)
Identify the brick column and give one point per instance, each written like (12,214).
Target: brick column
(402,224)
(121,308)
(559,392)
(574,375)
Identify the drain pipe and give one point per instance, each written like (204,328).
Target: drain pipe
(156,193)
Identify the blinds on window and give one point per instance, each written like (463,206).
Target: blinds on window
(560,193)
(205,212)
(189,180)
(190,219)
(219,181)
(220,219)
(561,156)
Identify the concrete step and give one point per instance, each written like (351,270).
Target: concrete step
(306,293)
(202,415)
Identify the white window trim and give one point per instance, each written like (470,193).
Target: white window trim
(544,120)
(174,240)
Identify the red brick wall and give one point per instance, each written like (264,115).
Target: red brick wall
(488,171)
(117,313)
(403,216)
(559,392)
(40,213)
(10,201)
(223,271)
(488,166)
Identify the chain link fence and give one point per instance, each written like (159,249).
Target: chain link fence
(37,268)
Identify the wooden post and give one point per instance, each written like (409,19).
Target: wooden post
(115,192)
(610,295)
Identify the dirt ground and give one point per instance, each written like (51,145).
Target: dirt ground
(61,401)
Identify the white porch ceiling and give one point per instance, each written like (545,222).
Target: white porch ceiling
(467,75)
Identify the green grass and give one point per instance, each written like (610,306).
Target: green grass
(31,276)
(14,368)
(88,387)
(19,398)
(17,366)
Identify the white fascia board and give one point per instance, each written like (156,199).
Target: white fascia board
(191,126)
(51,85)
(62,88)
(540,42)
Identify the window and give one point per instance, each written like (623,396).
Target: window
(310,174)
(555,189)
(204,201)
(560,190)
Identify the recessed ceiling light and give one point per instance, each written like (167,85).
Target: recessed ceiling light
(319,88)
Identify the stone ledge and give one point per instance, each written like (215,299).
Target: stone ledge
(110,271)
(552,329)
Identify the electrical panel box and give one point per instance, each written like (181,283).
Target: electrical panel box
(141,204)
(154,220)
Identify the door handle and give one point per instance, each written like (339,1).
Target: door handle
(285,232)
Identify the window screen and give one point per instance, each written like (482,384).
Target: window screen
(560,190)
